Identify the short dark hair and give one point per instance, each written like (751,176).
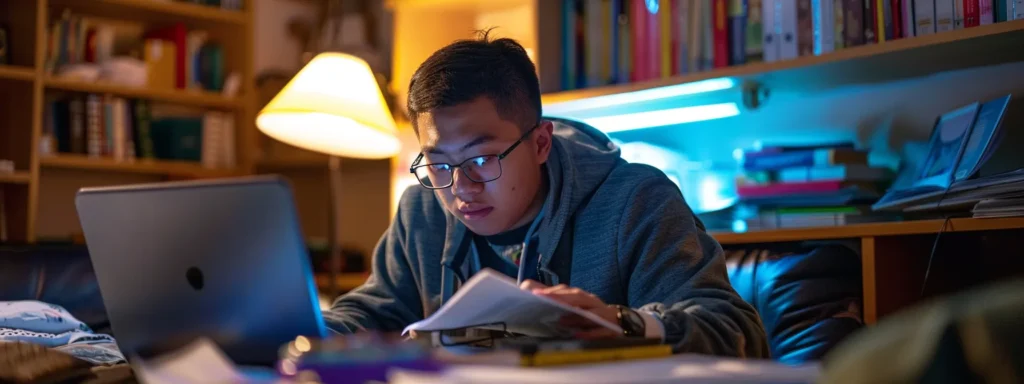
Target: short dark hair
(467,69)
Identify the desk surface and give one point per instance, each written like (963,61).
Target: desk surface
(915,227)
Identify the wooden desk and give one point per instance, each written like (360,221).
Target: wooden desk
(894,255)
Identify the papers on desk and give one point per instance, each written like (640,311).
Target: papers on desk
(676,369)
(491,300)
(199,362)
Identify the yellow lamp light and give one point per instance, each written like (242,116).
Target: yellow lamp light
(333,106)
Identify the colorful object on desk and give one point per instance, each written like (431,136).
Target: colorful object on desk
(353,358)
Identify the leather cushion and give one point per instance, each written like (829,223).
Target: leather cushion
(809,299)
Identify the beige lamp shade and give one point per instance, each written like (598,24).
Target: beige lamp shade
(333,106)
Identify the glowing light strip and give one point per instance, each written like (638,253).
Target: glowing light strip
(703,86)
(673,116)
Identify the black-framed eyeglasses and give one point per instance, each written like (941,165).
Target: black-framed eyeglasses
(480,169)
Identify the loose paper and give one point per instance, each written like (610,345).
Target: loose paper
(490,299)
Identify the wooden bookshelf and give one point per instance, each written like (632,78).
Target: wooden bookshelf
(176,96)
(892,60)
(17,72)
(146,166)
(18,177)
(156,11)
(29,23)
(345,281)
(896,228)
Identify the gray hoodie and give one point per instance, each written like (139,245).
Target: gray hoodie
(618,230)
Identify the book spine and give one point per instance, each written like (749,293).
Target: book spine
(986,13)
(896,18)
(924,16)
(639,25)
(737,32)
(805,28)
(944,16)
(882,20)
(754,41)
(674,40)
(870,22)
(625,49)
(958,14)
(568,45)
(838,24)
(666,57)
(823,26)
(654,48)
(94,120)
(853,20)
(971,13)
(77,118)
(770,41)
(907,17)
(681,25)
(721,33)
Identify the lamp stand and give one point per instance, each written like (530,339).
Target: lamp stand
(334,222)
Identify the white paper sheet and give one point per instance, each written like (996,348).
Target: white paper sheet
(675,369)
(199,362)
(490,298)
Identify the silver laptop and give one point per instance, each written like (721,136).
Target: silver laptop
(221,259)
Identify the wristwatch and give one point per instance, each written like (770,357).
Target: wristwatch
(630,321)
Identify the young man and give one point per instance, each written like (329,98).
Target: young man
(549,204)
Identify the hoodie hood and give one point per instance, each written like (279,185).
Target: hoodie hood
(581,158)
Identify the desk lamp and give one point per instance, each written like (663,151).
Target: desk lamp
(333,106)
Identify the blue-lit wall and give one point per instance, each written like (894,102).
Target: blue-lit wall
(883,117)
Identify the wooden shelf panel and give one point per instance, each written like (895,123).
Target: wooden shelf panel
(157,167)
(17,72)
(176,96)
(346,281)
(151,11)
(18,177)
(892,60)
(915,227)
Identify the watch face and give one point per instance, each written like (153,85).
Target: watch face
(631,322)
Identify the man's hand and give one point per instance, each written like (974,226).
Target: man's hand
(578,298)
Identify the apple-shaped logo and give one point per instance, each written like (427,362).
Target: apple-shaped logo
(195,278)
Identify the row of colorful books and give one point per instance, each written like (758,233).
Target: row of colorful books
(805,186)
(620,41)
(123,129)
(170,57)
(234,5)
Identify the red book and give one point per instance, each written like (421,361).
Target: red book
(972,16)
(676,44)
(176,34)
(896,9)
(638,20)
(783,189)
(720,14)
(653,41)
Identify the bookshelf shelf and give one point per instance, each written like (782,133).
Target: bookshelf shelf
(153,11)
(898,228)
(346,281)
(892,60)
(20,177)
(158,167)
(16,72)
(183,97)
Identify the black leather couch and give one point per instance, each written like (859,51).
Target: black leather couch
(808,297)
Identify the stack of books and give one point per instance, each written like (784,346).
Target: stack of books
(825,185)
